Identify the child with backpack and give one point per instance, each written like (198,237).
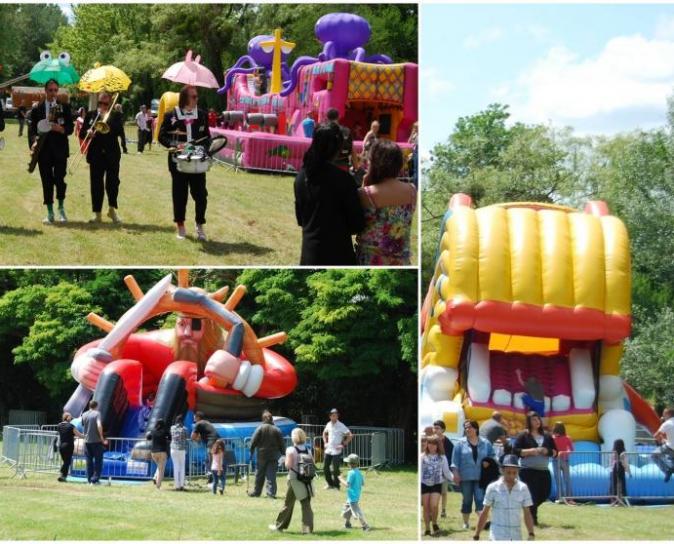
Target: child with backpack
(354,484)
(301,473)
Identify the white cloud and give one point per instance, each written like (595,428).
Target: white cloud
(664,29)
(630,72)
(483,37)
(435,83)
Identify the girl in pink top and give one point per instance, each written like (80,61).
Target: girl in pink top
(217,466)
(564,446)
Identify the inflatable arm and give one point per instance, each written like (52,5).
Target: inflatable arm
(294,72)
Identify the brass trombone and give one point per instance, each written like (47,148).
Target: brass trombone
(99,126)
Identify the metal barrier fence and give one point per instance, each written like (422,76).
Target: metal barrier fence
(370,449)
(385,445)
(28,449)
(595,476)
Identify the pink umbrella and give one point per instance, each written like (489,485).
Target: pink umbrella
(191,72)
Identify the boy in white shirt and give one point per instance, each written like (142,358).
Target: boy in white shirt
(507,498)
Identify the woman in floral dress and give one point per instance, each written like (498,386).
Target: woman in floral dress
(389,206)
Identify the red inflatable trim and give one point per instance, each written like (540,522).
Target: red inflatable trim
(531,320)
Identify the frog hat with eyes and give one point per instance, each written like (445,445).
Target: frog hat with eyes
(58,68)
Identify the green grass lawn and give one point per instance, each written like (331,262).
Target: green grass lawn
(582,522)
(40,508)
(250,217)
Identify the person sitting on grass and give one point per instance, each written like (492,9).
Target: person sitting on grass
(218,467)
(354,483)
(505,498)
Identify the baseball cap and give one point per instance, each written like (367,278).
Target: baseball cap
(511,461)
(352,459)
(334,411)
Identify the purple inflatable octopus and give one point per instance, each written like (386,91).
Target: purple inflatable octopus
(343,36)
(254,60)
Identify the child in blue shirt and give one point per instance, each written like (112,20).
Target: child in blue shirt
(354,484)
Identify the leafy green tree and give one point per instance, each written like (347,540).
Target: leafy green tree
(648,363)
(27,29)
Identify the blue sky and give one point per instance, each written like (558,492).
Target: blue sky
(601,69)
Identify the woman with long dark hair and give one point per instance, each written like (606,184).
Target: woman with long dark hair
(326,203)
(535,447)
(186,123)
(389,208)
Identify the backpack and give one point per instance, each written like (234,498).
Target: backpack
(306,468)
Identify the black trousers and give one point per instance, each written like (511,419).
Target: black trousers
(104,179)
(94,453)
(539,483)
(52,174)
(144,137)
(66,451)
(181,184)
(266,468)
(331,466)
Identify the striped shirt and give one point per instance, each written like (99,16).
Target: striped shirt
(506,505)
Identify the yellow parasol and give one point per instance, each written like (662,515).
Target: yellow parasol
(107,78)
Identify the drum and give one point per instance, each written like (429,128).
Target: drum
(193,160)
(43,126)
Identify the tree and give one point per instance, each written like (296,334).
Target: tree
(493,162)
(648,363)
(27,29)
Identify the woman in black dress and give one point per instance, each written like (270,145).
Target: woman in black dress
(327,206)
(186,123)
(535,447)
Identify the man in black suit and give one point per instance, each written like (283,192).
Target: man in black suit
(103,156)
(53,157)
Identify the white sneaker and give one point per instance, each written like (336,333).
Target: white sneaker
(273,527)
(201,235)
(466,526)
(182,233)
(112,214)
(62,216)
(49,220)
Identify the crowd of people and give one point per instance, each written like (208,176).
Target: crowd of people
(332,206)
(504,479)
(267,442)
